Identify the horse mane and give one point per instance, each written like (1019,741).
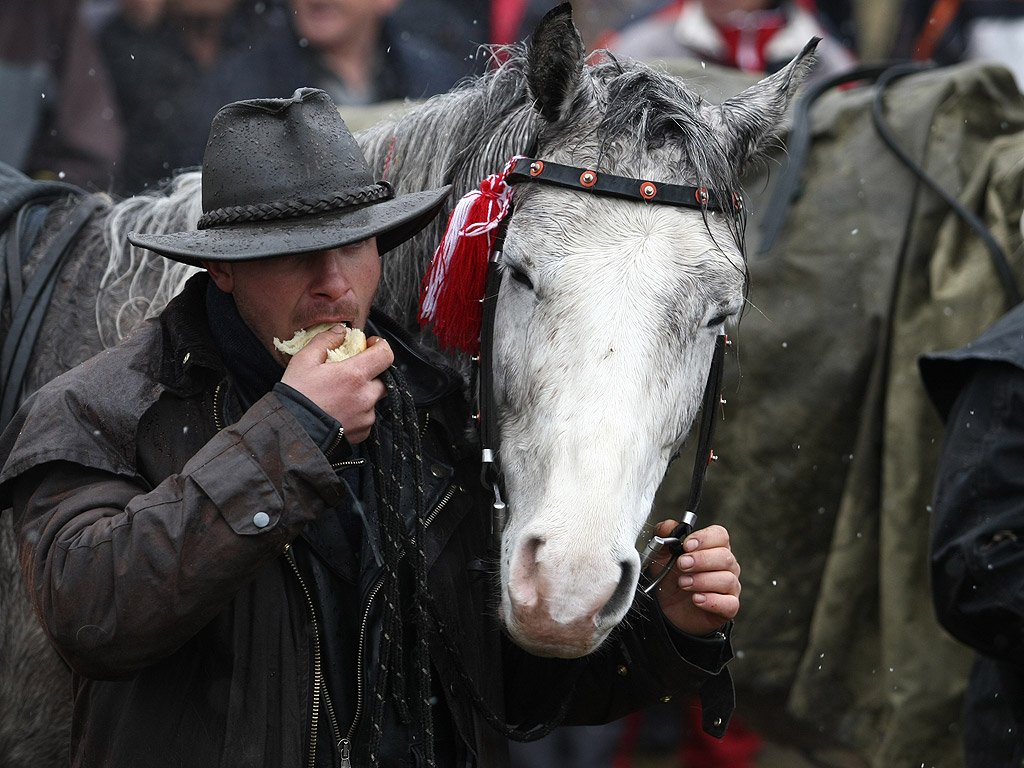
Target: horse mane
(619,113)
(136,283)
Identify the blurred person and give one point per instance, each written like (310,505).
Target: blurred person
(977,530)
(159,52)
(950,31)
(58,116)
(758,36)
(349,48)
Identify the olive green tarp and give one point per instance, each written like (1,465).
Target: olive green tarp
(828,441)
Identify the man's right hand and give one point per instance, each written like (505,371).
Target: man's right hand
(347,390)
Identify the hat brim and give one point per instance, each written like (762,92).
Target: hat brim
(392,222)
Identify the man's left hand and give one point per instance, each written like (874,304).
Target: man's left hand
(702,592)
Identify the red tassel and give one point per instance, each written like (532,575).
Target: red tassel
(455,282)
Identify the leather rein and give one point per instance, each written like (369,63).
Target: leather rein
(528,169)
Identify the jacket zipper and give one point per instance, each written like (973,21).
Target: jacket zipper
(218,408)
(345,744)
(319,684)
(337,441)
(347,463)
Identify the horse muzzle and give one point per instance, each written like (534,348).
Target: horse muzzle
(560,604)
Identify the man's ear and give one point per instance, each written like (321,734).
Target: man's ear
(221,274)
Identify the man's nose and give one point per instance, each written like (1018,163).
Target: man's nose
(331,277)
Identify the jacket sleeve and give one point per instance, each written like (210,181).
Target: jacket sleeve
(121,575)
(644,662)
(977,547)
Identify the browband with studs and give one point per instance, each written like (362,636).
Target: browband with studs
(531,169)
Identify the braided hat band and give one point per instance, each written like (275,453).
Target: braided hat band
(291,209)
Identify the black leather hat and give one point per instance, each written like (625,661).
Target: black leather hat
(283,176)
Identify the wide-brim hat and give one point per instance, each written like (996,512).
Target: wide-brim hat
(285,176)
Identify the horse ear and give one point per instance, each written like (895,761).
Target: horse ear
(555,62)
(753,116)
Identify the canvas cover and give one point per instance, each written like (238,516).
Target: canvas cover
(828,441)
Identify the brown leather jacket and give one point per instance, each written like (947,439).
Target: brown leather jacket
(153,539)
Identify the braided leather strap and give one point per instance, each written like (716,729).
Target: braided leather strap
(290,209)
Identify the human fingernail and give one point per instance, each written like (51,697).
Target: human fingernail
(685,581)
(685,562)
(691,544)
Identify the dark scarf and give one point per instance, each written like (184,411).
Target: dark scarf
(253,369)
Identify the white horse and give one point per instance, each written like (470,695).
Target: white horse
(605,327)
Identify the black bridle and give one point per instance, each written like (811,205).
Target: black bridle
(528,169)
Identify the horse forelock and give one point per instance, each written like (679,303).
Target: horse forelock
(630,111)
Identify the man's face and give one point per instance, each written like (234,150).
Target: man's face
(331,23)
(278,296)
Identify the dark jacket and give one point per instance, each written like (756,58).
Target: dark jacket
(175,558)
(977,547)
(156,77)
(408,65)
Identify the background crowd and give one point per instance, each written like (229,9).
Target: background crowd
(116,95)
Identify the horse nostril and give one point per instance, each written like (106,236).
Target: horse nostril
(623,594)
(525,571)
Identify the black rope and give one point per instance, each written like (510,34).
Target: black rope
(483,708)
(403,417)
(391,676)
(798,146)
(998,257)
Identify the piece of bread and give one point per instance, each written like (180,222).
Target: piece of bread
(355,342)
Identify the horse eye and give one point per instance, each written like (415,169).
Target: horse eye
(718,320)
(519,276)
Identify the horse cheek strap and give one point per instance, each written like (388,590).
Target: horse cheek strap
(490,472)
(705,455)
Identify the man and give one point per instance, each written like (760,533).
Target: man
(977,558)
(357,51)
(235,573)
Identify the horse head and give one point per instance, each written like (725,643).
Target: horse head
(606,322)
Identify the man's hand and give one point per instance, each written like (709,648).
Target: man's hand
(703,590)
(347,390)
